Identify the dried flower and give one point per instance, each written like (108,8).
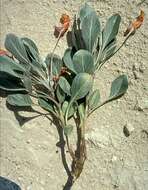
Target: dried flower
(135,24)
(60,30)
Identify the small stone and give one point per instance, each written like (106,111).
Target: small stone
(28,141)
(128,129)
(136,75)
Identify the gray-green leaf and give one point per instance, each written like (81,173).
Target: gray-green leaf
(60,94)
(19,100)
(119,87)
(68,129)
(94,99)
(56,63)
(68,59)
(15,45)
(81,85)
(90,27)
(65,86)
(11,67)
(46,105)
(111,30)
(85,10)
(83,62)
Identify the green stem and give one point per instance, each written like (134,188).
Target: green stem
(52,54)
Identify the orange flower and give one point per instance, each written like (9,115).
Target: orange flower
(135,24)
(60,30)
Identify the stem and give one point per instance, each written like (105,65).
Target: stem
(51,62)
(80,154)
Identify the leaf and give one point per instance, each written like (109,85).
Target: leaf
(57,63)
(9,83)
(81,110)
(31,43)
(109,50)
(81,85)
(48,106)
(15,45)
(27,83)
(19,100)
(72,109)
(68,129)
(68,59)
(64,85)
(83,62)
(119,87)
(11,67)
(111,30)
(90,27)
(60,94)
(85,10)
(76,35)
(33,54)
(94,99)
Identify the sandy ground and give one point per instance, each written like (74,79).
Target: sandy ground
(29,155)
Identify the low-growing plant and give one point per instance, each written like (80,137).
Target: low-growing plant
(64,87)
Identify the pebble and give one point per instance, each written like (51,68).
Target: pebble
(136,75)
(128,129)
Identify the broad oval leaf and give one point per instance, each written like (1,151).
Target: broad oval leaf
(68,59)
(65,86)
(16,46)
(94,99)
(68,129)
(119,87)
(90,27)
(19,100)
(11,67)
(81,85)
(83,62)
(111,30)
